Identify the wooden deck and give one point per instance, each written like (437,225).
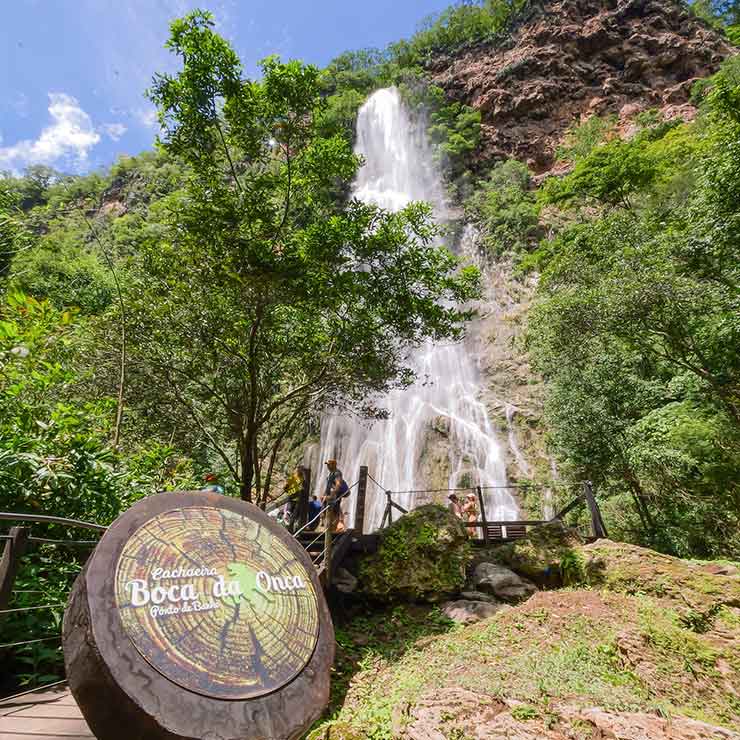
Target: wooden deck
(49,715)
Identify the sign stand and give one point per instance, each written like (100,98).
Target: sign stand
(198,616)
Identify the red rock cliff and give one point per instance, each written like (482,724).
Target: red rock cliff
(571,58)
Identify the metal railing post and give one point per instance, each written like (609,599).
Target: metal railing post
(14,549)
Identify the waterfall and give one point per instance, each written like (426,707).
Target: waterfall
(439,434)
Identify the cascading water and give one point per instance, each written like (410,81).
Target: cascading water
(447,393)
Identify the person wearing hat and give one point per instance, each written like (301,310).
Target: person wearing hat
(454,506)
(470,513)
(331,479)
(212,484)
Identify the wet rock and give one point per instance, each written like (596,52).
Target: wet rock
(478,596)
(421,557)
(548,555)
(468,612)
(502,583)
(344,581)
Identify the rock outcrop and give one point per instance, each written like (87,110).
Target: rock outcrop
(421,557)
(543,556)
(465,611)
(699,587)
(501,582)
(439,715)
(573,58)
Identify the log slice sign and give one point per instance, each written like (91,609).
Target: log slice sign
(198,616)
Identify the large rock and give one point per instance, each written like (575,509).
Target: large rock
(568,60)
(478,596)
(548,556)
(420,557)
(618,566)
(501,582)
(468,612)
(447,713)
(344,581)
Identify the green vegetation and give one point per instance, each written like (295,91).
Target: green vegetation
(506,210)
(636,328)
(462,24)
(195,308)
(630,647)
(722,14)
(582,139)
(421,557)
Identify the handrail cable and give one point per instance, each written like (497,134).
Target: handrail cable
(30,642)
(314,540)
(29,608)
(6,699)
(485,488)
(44,519)
(379,485)
(74,543)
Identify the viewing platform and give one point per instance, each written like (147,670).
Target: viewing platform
(52,714)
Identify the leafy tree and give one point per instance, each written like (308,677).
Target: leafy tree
(582,139)
(637,326)
(506,209)
(13,234)
(268,300)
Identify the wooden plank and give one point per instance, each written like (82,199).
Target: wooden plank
(50,697)
(53,715)
(27,724)
(360,503)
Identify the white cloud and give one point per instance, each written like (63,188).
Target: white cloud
(146,117)
(68,138)
(114,130)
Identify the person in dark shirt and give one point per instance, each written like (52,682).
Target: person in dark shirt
(314,509)
(340,491)
(334,473)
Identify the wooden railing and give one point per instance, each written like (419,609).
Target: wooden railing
(492,531)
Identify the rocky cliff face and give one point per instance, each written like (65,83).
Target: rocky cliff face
(571,58)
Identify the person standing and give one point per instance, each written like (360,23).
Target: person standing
(470,513)
(314,512)
(331,479)
(340,491)
(454,506)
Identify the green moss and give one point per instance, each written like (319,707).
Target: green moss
(420,557)
(549,556)
(637,570)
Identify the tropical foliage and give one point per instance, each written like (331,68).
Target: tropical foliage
(637,327)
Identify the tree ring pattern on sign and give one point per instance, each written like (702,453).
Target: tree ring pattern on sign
(216,602)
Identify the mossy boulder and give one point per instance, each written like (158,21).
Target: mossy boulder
(421,557)
(618,566)
(548,555)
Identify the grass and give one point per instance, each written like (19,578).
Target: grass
(549,650)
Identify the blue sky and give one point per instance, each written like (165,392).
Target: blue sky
(73,72)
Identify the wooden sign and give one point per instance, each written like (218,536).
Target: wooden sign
(198,616)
